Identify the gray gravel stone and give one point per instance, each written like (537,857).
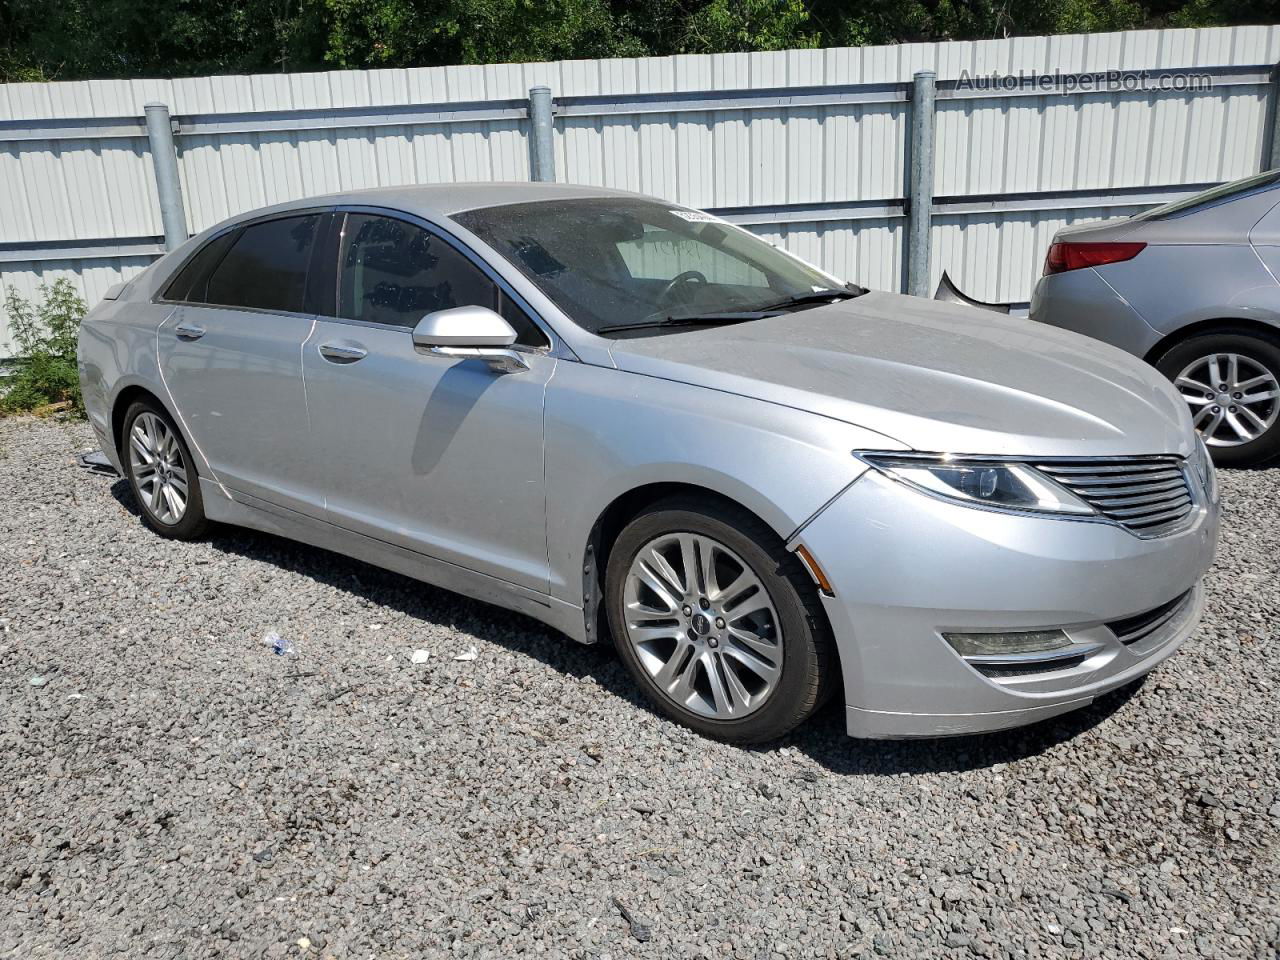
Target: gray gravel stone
(205,797)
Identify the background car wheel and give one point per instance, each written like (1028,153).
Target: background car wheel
(1231,382)
(717,621)
(161,473)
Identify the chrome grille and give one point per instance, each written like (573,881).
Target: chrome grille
(1149,496)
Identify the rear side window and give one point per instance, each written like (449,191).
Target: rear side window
(266,267)
(395,272)
(192,281)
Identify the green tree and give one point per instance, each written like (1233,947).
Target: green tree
(398,33)
(745,25)
(77,39)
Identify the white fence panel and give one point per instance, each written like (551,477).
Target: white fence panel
(807,148)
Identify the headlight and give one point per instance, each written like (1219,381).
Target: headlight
(1005,486)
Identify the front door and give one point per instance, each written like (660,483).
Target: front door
(231,357)
(441,456)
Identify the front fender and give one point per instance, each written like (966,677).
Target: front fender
(609,432)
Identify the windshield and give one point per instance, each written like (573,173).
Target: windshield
(610,261)
(1228,191)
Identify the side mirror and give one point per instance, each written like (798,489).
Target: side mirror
(463,327)
(473,332)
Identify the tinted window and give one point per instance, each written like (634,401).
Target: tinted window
(528,333)
(321,282)
(266,267)
(192,280)
(394,272)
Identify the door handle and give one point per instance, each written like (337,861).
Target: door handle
(342,352)
(188,331)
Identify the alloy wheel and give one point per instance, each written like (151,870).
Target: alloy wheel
(703,626)
(159,475)
(1233,398)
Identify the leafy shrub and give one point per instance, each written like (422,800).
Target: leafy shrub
(45,370)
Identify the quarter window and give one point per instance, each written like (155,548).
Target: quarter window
(266,267)
(192,282)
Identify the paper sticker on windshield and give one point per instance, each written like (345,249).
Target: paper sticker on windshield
(696,216)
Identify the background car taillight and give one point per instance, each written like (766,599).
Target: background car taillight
(1073,256)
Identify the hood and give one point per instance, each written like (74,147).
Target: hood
(936,376)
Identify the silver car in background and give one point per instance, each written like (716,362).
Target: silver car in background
(622,416)
(1193,287)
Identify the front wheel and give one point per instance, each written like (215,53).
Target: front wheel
(717,621)
(1231,382)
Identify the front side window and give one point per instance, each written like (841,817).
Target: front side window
(608,261)
(394,272)
(266,267)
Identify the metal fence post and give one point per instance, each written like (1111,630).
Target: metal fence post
(165,157)
(920,183)
(1271,130)
(542,153)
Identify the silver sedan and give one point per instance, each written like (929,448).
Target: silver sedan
(1192,288)
(628,418)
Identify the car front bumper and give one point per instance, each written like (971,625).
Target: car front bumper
(905,567)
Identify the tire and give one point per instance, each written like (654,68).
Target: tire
(138,440)
(1258,354)
(777,700)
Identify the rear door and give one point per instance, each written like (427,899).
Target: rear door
(441,456)
(231,357)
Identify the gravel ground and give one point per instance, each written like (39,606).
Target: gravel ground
(171,788)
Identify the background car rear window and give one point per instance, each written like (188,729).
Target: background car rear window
(266,267)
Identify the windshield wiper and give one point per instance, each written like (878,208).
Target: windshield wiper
(717,318)
(816,296)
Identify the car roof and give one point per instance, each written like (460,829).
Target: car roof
(441,200)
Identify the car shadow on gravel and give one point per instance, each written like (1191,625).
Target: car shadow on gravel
(821,738)
(824,739)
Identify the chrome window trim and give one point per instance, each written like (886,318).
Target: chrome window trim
(222,306)
(1195,491)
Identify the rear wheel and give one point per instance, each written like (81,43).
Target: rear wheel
(161,473)
(717,621)
(1231,382)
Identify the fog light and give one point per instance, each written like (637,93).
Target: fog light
(1000,644)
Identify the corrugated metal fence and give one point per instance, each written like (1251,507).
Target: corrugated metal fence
(807,148)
